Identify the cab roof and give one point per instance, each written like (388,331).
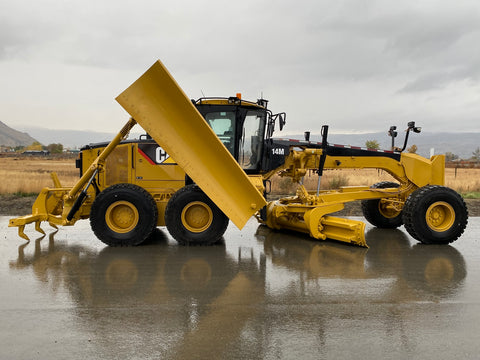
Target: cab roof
(233,100)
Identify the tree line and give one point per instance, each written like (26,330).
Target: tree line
(36,146)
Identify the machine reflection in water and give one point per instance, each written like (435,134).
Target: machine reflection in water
(418,270)
(188,292)
(152,273)
(209,301)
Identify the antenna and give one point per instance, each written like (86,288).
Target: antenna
(203,95)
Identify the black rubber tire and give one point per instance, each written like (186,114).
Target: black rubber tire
(135,200)
(371,209)
(208,232)
(419,204)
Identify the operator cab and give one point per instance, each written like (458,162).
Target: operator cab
(241,126)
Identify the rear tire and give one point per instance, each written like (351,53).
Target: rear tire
(435,215)
(123,215)
(378,214)
(193,219)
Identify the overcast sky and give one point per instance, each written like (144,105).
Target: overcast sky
(356,65)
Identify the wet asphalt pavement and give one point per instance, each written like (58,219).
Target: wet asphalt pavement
(259,295)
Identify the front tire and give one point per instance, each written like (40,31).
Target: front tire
(193,219)
(435,215)
(378,213)
(123,215)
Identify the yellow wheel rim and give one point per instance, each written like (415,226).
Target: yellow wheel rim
(387,211)
(197,217)
(122,217)
(440,216)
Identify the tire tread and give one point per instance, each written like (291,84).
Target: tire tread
(97,218)
(175,227)
(411,213)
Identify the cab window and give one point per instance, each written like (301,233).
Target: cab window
(223,124)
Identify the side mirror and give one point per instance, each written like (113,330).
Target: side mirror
(271,123)
(415,129)
(282,120)
(392,132)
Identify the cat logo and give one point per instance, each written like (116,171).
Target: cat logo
(160,155)
(155,154)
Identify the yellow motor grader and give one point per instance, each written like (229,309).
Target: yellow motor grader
(207,161)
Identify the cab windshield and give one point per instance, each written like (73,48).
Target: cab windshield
(242,132)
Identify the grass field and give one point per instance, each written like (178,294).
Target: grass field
(28,175)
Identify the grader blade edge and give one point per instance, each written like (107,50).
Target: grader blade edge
(345,230)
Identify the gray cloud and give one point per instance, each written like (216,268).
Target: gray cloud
(355,62)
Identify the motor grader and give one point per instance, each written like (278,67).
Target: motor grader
(207,161)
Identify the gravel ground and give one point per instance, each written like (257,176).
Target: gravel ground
(16,205)
(12,205)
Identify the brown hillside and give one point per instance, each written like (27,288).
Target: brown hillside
(12,137)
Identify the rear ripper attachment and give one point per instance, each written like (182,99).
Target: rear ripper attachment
(210,161)
(65,205)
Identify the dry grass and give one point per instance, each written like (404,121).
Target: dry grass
(464,181)
(28,175)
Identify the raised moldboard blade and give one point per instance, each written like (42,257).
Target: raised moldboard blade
(161,107)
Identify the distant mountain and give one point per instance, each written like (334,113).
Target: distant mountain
(70,138)
(12,137)
(461,144)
